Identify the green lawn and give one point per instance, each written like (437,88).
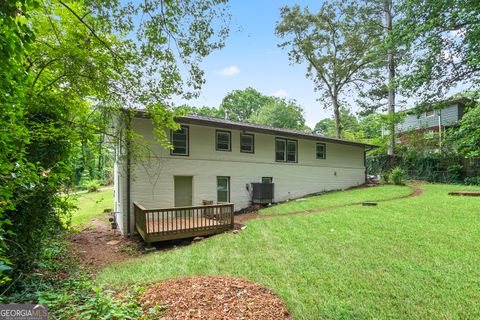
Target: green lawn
(412,258)
(339,198)
(91,205)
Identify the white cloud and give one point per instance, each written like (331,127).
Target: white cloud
(229,71)
(280,93)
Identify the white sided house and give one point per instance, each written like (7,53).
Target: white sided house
(219,166)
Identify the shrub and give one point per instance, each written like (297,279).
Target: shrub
(398,175)
(454,172)
(92,186)
(472,181)
(385,176)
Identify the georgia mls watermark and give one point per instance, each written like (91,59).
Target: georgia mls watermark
(23,312)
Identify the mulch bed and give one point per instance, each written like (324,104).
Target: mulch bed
(214,297)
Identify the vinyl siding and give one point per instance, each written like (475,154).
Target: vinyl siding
(449,116)
(152,181)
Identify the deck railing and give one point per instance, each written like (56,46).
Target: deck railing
(182,222)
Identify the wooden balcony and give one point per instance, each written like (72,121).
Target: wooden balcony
(182,222)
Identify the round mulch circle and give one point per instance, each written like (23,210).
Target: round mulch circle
(214,297)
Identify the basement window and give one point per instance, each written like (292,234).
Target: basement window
(267,180)
(179,141)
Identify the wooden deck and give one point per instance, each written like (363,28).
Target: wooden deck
(182,222)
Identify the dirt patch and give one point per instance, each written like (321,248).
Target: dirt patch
(98,246)
(214,297)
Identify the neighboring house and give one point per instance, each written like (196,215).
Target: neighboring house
(219,163)
(433,121)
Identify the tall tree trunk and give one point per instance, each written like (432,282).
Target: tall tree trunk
(336,113)
(391,77)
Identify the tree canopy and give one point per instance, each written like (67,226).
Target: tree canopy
(281,113)
(240,105)
(442,39)
(65,67)
(337,45)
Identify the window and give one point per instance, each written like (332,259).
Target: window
(430,113)
(321,151)
(247,143)
(280,149)
(223,189)
(223,140)
(179,140)
(285,150)
(267,179)
(291,151)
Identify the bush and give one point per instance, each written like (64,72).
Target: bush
(398,175)
(472,181)
(385,176)
(92,186)
(71,294)
(454,172)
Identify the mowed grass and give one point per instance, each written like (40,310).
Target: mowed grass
(91,206)
(339,198)
(412,258)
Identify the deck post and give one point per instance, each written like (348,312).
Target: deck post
(232,223)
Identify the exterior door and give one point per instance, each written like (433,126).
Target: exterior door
(183,191)
(223,189)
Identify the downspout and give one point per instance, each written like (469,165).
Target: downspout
(129,119)
(440,129)
(365,163)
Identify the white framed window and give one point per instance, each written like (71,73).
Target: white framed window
(179,141)
(321,151)
(291,150)
(280,150)
(285,150)
(430,113)
(223,189)
(223,140)
(247,143)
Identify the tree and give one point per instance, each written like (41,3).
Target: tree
(388,8)
(61,61)
(371,125)
(336,43)
(442,39)
(325,127)
(280,113)
(349,124)
(240,105)
(201,111)
(466,138)
(16,36)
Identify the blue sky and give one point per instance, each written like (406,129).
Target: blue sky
(251,58)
